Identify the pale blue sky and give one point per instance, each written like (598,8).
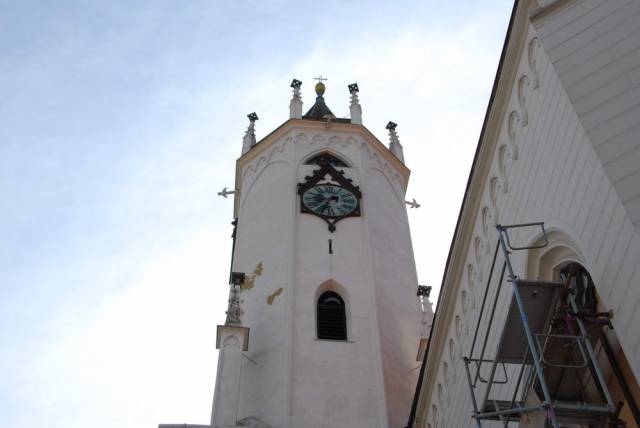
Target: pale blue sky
(119,122)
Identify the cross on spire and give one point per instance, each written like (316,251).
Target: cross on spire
(320,78)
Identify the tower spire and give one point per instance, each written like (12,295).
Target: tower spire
(249,139)
(319,109)
(394,141)
(295,106)
(355,108)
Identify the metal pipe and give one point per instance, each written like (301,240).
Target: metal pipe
(484,298)
(511,412)
(525,325)
(493,313)
(489,384)
(473,395)
(515,391)
(633,406)
(592,355)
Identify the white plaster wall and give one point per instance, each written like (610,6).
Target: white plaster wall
(395,285)
(595,49)
(333,383)
(544,168)
(292,379)
(263,233)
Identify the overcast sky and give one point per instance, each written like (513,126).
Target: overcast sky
(119,123)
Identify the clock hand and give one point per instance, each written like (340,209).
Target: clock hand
(324,205)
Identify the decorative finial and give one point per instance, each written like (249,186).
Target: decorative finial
(394,141)
(320,88)
(234,311)
(355,108)
(295,106)
(249,139)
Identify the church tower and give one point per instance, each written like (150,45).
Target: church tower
(324,324)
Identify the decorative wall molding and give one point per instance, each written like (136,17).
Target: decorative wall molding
(261,162)
(447,379)
(513,124)
(464,301)
(487,224)
(494,187)
(534,45)
(523,86)
(257,165)
(488,215)
(478,245)
(231,341)
(458,326)
(503,153)
(435,416)
(261,168)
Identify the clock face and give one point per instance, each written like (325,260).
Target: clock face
(328,200)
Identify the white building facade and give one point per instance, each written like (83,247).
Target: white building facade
(560,145)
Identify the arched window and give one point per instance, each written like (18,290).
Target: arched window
(324,158)
(331,316)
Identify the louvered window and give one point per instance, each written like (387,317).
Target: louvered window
(332,320)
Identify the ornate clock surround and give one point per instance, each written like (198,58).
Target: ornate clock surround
(338,177)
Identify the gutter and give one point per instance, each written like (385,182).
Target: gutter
(416,397)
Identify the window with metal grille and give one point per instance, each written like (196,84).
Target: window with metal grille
(332,319)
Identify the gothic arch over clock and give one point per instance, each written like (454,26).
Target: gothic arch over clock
(328,194)
(326,157)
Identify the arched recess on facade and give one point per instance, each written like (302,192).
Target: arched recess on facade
(545,263)
(325,289)
(561,260)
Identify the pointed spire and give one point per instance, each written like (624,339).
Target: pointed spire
(295,106)
(394,141)
(355,108)
(319,109)
(249,139)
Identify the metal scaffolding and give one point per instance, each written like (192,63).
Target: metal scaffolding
(535,362)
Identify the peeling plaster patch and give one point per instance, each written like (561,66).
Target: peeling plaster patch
(258,270)
(250,279)
(273,296)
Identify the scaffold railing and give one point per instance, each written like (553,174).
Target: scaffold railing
(520,358)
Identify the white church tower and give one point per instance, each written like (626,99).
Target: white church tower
(324,323)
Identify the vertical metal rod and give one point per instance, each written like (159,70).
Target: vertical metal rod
(484,299)
(631,402)
(515,391)
(525,325)
(473,395)
(492,374)
(330,246)
(493,313)
(592,354)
